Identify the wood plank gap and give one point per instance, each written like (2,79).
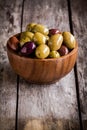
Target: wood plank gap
(16,119)
(75,68)
(78,97)
(18,77)
(22,12)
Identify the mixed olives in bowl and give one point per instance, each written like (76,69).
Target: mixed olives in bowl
(41,42)
(47,54)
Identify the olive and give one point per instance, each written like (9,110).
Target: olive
(55,42)
(54,31)
(28,48)
(24,40)
(25,37)
(42,51)
(69,40)
(27,34)
(40,28)
(39,38)
(54,54)
(13,43)
(30,26)
(30,35)
(63,50)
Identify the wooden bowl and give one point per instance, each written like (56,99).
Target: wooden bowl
(42,71)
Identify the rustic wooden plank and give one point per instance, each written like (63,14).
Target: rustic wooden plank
(51,124)
(9,25)
(79,18)
(45,101)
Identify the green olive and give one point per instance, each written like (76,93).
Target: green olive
(42,51)
(30,35)
(30,26)
(39,38)
(24,40)
(26,34)
(54,54)
(55,42)
(69,40)
(25,37)
(40,28)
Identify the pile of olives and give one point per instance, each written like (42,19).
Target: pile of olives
(40,42)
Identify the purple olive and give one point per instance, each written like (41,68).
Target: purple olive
(63,50)
(28,48)
(54,31)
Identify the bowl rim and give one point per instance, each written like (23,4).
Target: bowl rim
(37,59)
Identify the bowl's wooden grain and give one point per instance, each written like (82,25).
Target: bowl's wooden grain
(42,71)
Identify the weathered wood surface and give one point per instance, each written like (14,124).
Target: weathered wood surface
(42,106)
(45,101)
(79,17)
(51,124)
(9,25)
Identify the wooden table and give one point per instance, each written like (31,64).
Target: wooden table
(59,106)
